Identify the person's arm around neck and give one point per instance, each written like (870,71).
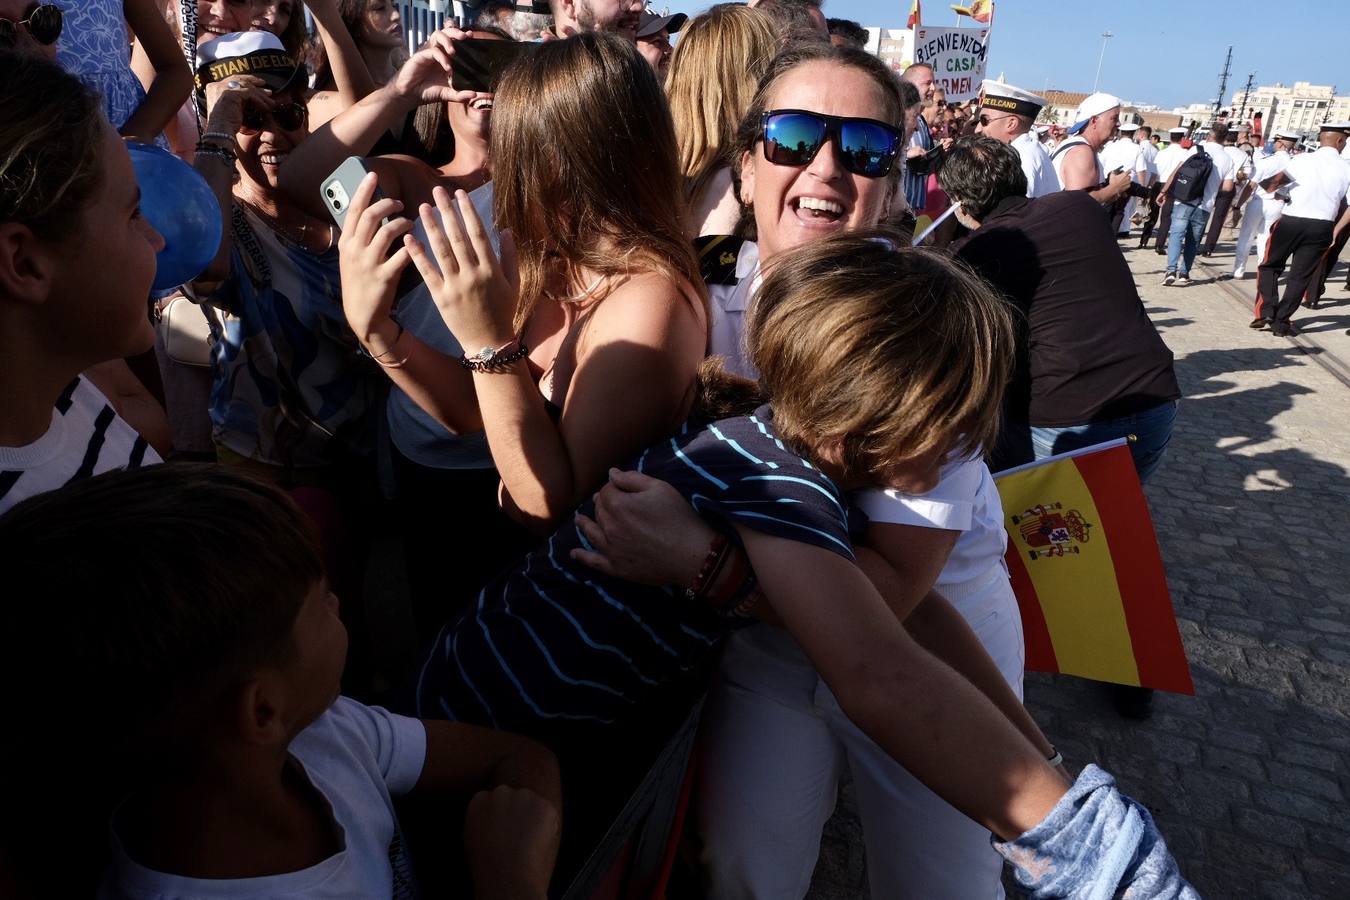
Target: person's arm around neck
(171,83)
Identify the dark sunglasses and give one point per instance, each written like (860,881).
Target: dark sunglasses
(289,117)
(43,23)
(793,137)
(985,119)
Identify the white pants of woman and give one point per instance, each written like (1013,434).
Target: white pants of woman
(774,744)
(1257,219)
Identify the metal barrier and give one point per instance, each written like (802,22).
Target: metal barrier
(420,21)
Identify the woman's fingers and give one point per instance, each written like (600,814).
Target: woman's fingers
(479,242)
(454,228)
(437,242)
(389,232)
(426,266)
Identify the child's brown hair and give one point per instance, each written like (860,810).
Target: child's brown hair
(884,353)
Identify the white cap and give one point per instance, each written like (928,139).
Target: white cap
(1342,127)
(999,95)
(1094,105)
(1177,129)
(1129,126)
(1286,134)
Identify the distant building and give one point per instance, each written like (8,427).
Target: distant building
(893,46)
(1060,106)
(1302,107)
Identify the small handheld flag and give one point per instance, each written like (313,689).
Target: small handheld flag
(1087,572)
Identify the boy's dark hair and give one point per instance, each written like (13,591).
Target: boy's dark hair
(909,95)
(982,172)
(130,597)
(849,30)
(165,584)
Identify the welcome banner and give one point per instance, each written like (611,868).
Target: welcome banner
(958,57)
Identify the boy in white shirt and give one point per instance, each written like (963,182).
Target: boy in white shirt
(209,671)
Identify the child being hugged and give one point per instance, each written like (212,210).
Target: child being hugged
(211,727)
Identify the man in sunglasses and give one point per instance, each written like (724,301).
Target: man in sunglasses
(1006,115)
(28,27)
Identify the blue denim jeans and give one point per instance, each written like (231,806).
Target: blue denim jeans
(1183,240)
(1152,429)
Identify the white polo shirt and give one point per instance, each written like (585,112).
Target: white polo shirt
(1321,181)
(1122,153)
(1268,168)
(1149,154)
(1041,177)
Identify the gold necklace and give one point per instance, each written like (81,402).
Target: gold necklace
(289,230)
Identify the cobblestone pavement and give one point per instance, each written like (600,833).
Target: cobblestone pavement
(1248,779)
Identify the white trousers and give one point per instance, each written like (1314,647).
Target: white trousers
(1257,220)
(775,743)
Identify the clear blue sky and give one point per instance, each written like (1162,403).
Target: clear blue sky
(1166,52)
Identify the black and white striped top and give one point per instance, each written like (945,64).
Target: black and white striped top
(86,438)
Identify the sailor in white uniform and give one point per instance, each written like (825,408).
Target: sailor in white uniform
(1007,114)
(1124,155)
(1319,186)
(1265,206)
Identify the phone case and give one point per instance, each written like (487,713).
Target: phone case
(338,188)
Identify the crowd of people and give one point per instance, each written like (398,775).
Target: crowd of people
(627,351)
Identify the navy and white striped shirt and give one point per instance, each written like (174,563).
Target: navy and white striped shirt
(555,643)
(86,438)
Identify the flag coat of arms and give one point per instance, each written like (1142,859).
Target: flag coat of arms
(1086,569)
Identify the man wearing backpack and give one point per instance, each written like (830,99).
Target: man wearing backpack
(1193,187)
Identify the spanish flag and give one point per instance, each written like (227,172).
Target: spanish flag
(980,10)
(1087,572)
(914,15)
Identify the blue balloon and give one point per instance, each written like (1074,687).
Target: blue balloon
(182,208)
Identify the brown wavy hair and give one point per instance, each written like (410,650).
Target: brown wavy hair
(713,73)
(885,353)
(583,153)
(51,145)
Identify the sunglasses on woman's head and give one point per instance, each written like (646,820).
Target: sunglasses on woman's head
(43,23)
(793,137)
(289,117)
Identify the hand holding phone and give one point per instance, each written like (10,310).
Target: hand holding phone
(478,64)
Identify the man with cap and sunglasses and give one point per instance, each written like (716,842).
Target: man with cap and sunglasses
(1006,115)
(653,39)
(1266,204)
(1169,159)
(1076,162)
(621,17)
(1319,186)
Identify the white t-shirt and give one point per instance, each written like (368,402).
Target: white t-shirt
(1268,168)
(1040,172)
(1170,159)
(965,499)
(1321,180)
(1149,155)
(86,438)
(357,757)
(1122,153)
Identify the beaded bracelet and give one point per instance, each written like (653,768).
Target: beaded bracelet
(220,136)
(224,154)
(495,359)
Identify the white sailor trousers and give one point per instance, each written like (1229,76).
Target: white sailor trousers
(1257,219)
(774,743)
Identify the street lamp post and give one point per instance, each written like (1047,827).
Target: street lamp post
(1106,36)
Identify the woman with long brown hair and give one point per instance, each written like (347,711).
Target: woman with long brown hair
(713,73)
(595,315)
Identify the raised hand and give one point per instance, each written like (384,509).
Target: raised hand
(475,292)
(425,77)
(225,102)
(369,273)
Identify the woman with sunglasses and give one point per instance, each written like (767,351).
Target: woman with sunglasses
(819,153)
(94,47)
(292,396)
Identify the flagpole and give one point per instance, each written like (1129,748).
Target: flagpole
(1084,451)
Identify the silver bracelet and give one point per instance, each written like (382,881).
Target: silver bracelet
(1057,760)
